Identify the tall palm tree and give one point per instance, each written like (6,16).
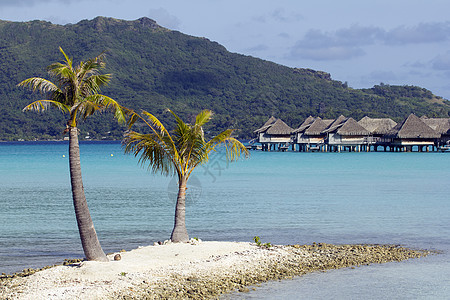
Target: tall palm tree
(76,92)
(178,153)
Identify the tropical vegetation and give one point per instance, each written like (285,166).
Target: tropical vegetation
(155,68)
(178,152)
(75,91)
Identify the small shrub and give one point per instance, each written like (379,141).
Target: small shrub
(257,240)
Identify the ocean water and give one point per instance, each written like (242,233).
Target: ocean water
(284,198)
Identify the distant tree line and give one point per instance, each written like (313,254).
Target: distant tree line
(155,68)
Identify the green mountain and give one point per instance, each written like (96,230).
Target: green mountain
(155,68)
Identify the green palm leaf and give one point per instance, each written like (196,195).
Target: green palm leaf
(185,148)
(39,84)
(152,150)
(68,60)
(76,90)
(203,117)
(102,102)
(42,105)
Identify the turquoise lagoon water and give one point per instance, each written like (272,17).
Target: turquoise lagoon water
(284,198)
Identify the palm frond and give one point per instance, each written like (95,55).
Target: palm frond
(75,89)
(196,149)
(181,125)
(68,60)
(195,145)
(133,117)
(42,105)
(169,144)
(63,72)
(183,150)
(158,129)
(91,68)
(156,126)
(100,60)
(159,133)
(39,84)
(107,103)
(182,135)
(93,83)
(59,96)
(220,138)
(203,117)
(234,148)
(86,108)
(151,150)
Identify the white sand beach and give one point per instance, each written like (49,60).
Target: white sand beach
(191,270)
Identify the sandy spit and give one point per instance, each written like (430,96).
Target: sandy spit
(195,270)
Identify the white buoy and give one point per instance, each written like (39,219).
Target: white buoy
(64,155)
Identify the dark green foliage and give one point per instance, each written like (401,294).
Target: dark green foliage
(154,68)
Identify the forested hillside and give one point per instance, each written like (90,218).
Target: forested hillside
(154,68)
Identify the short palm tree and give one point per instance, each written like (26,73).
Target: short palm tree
(76,92)
(179,153)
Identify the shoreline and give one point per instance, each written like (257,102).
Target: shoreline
(195,270)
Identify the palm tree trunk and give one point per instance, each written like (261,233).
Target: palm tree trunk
(179,233)
(88,236)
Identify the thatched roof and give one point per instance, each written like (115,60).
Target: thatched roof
(440,125)
(271,120)
(411,128)
(279,128)
(377,126)
(351,127)
(305,125)
(318,126)
(266,125)
(336,124)
(328,122)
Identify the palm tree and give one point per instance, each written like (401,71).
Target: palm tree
(76,92)
(179,154)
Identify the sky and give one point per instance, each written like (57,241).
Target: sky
(361,42)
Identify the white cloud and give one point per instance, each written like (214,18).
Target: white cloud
(278,15)
(416,65)
(441,62)
(281,15)
(344,43)
(421,33)
(350,42)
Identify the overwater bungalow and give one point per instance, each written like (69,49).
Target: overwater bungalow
(301,129)
(347,135)
(412,132)
(441,126)
(274,135)
(377,127)
(309,136)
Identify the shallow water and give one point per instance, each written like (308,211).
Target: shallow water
(284,198)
